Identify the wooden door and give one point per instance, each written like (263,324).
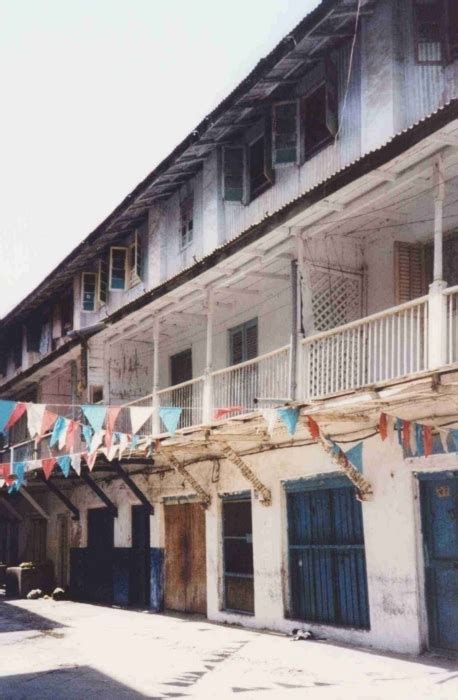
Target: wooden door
(185,558)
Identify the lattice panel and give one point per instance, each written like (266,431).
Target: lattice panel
(336,298)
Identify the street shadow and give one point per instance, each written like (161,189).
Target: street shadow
(16,619)
(67,683)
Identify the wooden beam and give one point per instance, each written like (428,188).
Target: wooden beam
(264,493)
(130,483)
(11,509)
(98,492)
(180,469)
(23,491)
(61,496)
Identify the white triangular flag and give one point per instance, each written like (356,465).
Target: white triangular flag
(32,464)
(443,434)
(96,441)
(138,416)
(112,451)
(63,434)
(123,442)
(270,415)
(76,463)
(35,414)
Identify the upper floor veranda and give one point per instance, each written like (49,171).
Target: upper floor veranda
(319,102)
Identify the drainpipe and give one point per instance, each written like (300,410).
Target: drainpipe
(437,303)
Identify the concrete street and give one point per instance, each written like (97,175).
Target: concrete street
(63,650)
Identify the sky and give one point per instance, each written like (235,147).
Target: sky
(94,94)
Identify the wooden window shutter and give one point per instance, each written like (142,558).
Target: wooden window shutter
(410,271)
(244,342)
(236,340)
(285,122)
(102,286)
(251,340)
(332,119)
(233,173)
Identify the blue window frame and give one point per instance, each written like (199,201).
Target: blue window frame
(327,564)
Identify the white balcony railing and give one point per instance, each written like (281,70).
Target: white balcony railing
(384,346)
(252,385)
(189,397)
(452,324)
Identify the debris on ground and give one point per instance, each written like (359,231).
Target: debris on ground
(58,594)
(299,635)
(34,594)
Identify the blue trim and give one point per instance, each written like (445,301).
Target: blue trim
(323,481)
(157,579)
(432,476)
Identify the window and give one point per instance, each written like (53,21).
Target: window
(238,554)
(319,113)
(186,221)
(429,24)
(96,393)
(88,287)
(410,272)
(247,167)
(285,132)
(66,312)
(244,342)
(118,268)
(102,285)
(327,562)
(260,173)
(135,260)
(16,345)
(181,367)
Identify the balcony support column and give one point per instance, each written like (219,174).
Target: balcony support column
(207,408)
(437,304)
(156,418)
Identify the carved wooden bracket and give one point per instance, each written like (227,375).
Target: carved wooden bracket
(206,498)
(264,492)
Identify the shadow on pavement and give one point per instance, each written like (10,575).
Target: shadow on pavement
(70,683)
(16,619)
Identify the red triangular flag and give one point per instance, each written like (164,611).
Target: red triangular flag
(313,428)
(406,427)
(383,426)
(112,414)
(427,440)
(222,412)
(19,411)
(49,418)
(72,431)
(48,466)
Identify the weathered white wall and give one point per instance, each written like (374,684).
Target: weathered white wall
(391,530)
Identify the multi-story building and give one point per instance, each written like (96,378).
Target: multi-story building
(298,250)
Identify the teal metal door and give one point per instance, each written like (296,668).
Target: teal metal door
(439,506)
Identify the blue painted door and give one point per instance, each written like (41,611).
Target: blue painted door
(327,562)
(439,502)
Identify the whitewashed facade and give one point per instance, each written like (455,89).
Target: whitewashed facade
(332,290)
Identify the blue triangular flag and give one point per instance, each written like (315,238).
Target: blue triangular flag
(355,456)
(170,417)
(59,426)
(65,464)
(419,441)
(19,470)
(6,409)
(95,416)
(87,434)
(454,434)
(289,416)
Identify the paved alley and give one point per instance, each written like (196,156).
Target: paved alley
(62,650)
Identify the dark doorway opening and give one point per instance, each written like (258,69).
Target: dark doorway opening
(140,562)
(238,554)
(100,544)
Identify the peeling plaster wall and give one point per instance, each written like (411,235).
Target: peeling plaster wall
(391,529)
(129,370)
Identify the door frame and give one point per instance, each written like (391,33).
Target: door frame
(424,615)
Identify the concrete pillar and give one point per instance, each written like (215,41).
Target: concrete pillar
(156,419)
(437,304)
(208,388)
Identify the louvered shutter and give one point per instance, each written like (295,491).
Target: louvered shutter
(251,340)
(103,281)
(236,336)
(410,271)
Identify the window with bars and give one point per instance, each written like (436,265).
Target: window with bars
(430,31)
(118,268)
(88,291)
